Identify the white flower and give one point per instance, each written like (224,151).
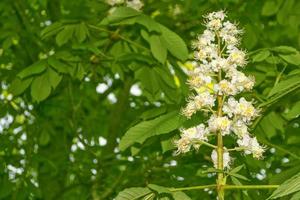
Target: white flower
(204,99)
(226,159)
(251,146)
(135,4)
(218,64)
(196,103)
(222,124)
(229,33)
(237,57)
(216,15)
(207,52)
(189,110)
(114,2)
(215,74)
(225,87)
(243,109)
(183,145)
(205,39)
(239,128)
(199,132)
(241,81)
(197,80)
(191,137)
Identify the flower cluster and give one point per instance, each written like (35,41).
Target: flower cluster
(135,4)
(214,81)
(191,138)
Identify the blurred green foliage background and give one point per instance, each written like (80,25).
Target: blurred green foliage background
(77,75)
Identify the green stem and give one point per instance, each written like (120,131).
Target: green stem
(248,187)
(207,144)
(199,187)
(227,187)
(220,149)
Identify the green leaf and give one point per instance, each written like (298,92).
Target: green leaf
(65,35)
(148,114)
(239,176)
(285,49)
(158,188)
(36,68)
(44,138)
(285,85)
(54,77)
(133,193)
(294,112)
(262,55)
(146,129)
(270,8)
(180,196)
(176,195)
(158,48)
(81,32)
(284,175)
(149,82)
(296,196)
(167,145)
(40,87)
(234,172)
(122,13)
(291,58)
(149,23)
(236,181)
(6,188)
(58,65)
(174,43)
(51,30)
(288,187)
(237,169)
(18,86)
(284,12)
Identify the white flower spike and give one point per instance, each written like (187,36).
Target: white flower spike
(214,81)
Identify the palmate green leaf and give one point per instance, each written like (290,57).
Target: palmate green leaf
(133,193)
(146,129)
(289,83)
(36,68)
(288,187)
